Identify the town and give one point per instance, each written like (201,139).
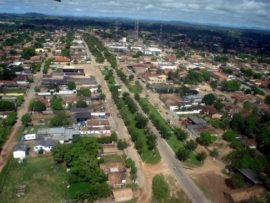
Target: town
(102,112)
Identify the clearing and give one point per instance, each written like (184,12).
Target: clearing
(44,181)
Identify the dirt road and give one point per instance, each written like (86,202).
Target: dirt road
(12,139)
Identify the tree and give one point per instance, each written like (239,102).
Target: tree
(81,104)
(122,144)
(11,118)
(218,105)
(180,134)
(27,53)
(160,188)
(205,139)
(58,152)
(26,119)
(191,145)
(267,100)
(60,120)
(36,105)
(141,120)
(56,103)
(209,99)
(229,135)
(230,86)
(201,156)
(183,154)
(71,85)
(151,140)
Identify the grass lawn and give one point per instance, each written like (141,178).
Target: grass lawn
(134,88)
(174,143)
(44,183)
(5,91)
(150,157)
(192,161)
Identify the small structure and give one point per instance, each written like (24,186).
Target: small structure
(20,190)
(20,150)
(122,194)
(250,176)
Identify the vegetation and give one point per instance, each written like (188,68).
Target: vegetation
(196,76)
(7,105)
(71,85)
(27,53)
(230,86)
(205,139)
(81,104)
(133,169)
(26,119)
(36,105)
(34,174)
(160,188)
(60,120)
(145,142)
(56,103)
(85,92)
(11,119)
(87,181)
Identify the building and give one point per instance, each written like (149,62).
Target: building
(46,145)
(20,151)
(60,134)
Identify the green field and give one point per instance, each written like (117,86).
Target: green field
(44,181)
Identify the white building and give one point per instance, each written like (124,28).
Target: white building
(19,151)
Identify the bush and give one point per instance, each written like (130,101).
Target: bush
(191,145)
(160,188)
(214,153)
(56,103)
(201,156)
(84,92)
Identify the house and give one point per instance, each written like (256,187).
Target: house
(61,59)
(252,177)
(122,194)
(80,114)
(117,179)
(46,145)
(211,112)
(155,78)
(249,143)
(20,150)
(60,134)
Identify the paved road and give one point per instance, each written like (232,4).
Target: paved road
(168,155)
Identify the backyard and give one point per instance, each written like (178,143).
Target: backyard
(45,182)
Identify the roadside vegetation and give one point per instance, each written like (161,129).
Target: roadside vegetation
(136,123)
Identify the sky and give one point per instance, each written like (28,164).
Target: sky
(234,13)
